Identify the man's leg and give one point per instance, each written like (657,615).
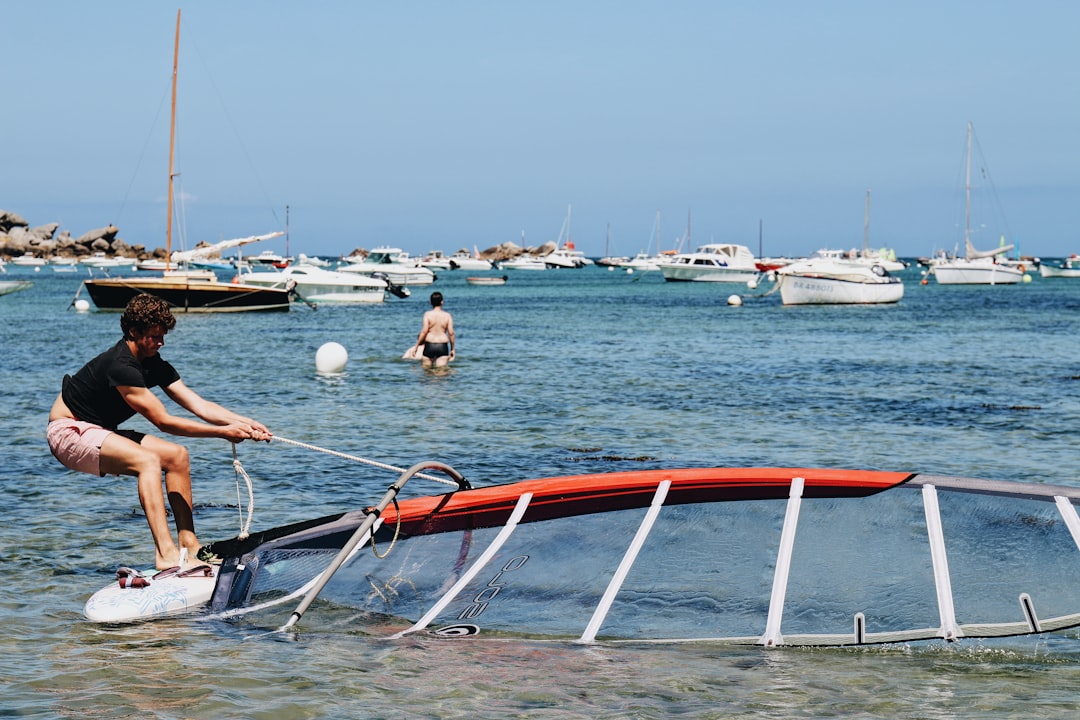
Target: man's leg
(122,456)
(176,463)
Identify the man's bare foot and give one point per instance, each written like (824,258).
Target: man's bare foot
(162,562)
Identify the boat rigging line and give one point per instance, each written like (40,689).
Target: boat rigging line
(460,484)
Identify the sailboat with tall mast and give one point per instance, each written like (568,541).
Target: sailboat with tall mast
(184,288)
(976,267)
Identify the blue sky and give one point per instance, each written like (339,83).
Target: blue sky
(441,125)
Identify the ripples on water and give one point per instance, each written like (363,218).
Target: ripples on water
(559,373)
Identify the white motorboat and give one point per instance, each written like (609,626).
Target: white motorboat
(644,262)
(714,262)
(394,263)
(101,260)
(268,257)
(462,260)
(565,257)
(826,280)
(1069,268)
(524,262)
(28,260)
(976,267)
(314,284)
(435,260)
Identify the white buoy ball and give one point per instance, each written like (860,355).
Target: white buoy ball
(752,284)
(1026,278)
(734,300)
(331,358)
(629,271)
(82,305)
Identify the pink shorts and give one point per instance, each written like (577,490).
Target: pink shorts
(77,444)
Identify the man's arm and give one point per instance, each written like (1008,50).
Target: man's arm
(219,422)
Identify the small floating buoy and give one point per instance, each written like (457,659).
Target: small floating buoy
(331,357)
(925,281)
(629,271)
(752,284)
(82,305)
(1027,278)
(734,300)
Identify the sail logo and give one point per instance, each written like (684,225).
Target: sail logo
(490,591)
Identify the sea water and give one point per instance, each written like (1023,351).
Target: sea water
(558,372)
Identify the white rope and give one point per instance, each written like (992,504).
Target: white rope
(245,527)
(384,466)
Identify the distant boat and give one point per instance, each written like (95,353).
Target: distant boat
(317,285)
(394,263)
(976,267)
(28,260)
(524,262)
(824,280)
(188,290)
(9,286)
(1069,268)
(714,262)
(498,280)
(462,260)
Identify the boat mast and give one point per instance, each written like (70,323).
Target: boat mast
(967,195)
(866,225)
(658,234)
(172,143)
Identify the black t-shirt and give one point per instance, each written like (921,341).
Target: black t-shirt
(91,393)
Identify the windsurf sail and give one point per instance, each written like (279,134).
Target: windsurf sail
(768,556)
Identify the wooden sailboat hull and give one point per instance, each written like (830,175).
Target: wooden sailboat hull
(188,295)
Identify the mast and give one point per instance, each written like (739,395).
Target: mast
(689,245)
(866,225)
(967,195)
(658,234)
(172,142)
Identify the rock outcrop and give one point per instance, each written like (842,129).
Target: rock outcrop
(17,238)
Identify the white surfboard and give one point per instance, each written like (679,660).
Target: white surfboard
(171,595)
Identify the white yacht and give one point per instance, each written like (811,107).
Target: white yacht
(317,285)
(394,263)
(714,262)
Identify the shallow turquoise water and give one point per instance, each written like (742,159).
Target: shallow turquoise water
(558,373)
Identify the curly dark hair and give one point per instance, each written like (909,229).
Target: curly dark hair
(144,312)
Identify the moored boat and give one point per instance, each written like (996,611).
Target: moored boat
(317,285)
(827,280)
(197,291)
(975,267)
(394,263)
(487,280)
(1069,268)
(713,262)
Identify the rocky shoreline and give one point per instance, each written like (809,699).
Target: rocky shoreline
(18,239)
